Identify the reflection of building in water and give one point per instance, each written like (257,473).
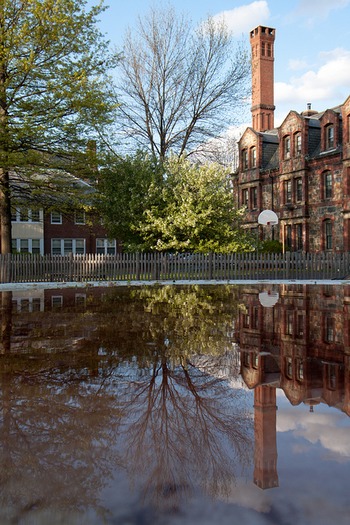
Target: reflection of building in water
(43,319)
(302,346)
(265,456)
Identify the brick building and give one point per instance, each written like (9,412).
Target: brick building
(65,230)
(300,346)
(300,170)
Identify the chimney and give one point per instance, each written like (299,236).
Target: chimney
(309,112)
(262,46)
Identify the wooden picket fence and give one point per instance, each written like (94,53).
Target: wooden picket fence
(20,268)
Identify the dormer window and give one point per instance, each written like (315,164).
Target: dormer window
(286,147)
(330,136)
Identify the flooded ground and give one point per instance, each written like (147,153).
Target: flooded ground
(175,405)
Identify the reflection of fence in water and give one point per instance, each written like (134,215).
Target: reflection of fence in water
(165,266)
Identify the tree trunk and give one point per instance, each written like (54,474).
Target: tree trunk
(5,212)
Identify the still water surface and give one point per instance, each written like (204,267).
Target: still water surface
(175,405)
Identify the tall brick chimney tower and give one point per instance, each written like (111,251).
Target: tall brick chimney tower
(262,45)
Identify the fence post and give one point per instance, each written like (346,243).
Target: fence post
(138,268)
(210,263)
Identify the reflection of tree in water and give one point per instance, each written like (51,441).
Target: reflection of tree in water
(56,431)
(183,427)
(190,320)
(65,402)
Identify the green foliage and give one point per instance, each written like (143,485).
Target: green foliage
(54,88)
(270,246)
(55,92)
(127,189)
(177,206)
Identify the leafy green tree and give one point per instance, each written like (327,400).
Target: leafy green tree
(177,206)
(128,187)
(55,92)
(197,212)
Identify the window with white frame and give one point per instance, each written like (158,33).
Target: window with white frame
(57,301)
(31,304)
(25,215)
(79,217)
(67,246)
(56,217)
(27,246)
(106,246)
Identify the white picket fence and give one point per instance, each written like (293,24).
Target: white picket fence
(19,268)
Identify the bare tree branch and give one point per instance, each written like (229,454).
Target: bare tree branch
(180,87)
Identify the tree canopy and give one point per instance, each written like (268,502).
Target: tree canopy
(174,206)
(180,86)
(55,89)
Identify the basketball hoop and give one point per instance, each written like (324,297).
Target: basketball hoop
(268,218)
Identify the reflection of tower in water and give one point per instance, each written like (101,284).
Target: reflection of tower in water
(265,454)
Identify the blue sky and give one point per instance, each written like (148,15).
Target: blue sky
(312,48)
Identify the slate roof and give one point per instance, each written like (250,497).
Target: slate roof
(270,156)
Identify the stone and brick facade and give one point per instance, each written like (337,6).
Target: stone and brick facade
(300,170)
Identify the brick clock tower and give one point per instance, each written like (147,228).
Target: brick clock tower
(265,456)
(262,45)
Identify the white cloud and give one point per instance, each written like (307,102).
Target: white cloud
(295,64)
(241,20)
(320,428)
(330,81)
